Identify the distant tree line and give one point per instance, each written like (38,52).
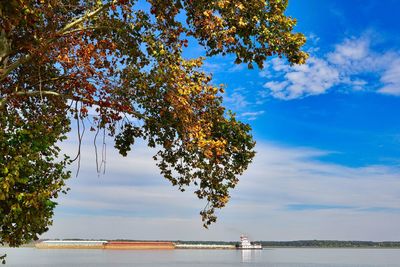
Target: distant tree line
(331,244)
(310,243)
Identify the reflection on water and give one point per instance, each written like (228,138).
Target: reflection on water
(249,255)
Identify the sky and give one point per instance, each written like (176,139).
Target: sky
(328,145)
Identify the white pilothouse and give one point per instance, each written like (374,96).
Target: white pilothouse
(246,244)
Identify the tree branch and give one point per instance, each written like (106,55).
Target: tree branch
(5,71)
(87,16)
(67,97)
(86,29)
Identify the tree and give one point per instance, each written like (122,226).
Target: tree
(60,58)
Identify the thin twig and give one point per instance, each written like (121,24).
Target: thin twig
(80,136)
(103,152)
(95,149)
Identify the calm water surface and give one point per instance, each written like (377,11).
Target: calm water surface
(282,257)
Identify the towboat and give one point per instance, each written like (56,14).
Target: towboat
(246,244)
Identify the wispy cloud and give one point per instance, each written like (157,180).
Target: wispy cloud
(252,115)
(353,65)
(286,193)
(391,79)
(302,207)
(237,68)
(236,100)
(212,67)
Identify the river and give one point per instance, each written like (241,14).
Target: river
(278,257)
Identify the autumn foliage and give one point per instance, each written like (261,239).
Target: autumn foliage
(123,60)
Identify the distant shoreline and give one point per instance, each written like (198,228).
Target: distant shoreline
(366,247)
(270,244)
(310,244)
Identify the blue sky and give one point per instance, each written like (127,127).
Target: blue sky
(328,143)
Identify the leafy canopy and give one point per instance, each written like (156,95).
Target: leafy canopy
(123,60)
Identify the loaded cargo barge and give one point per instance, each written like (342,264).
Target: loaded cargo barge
(71,244)
(137,245)
(204,246)
(100,244)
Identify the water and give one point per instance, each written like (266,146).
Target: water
(280,257)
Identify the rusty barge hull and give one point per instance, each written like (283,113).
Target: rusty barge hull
(139,245)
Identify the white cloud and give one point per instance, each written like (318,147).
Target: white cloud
(237,68)
(133,196)
(252,115)
(346,66)
(213,67)
(311,79)
(279,65)
(313,40)
(276,86)
(265,73)
(391,79)
(297,176)
(358,84)
(236,100)
(351,50)
(122,227)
